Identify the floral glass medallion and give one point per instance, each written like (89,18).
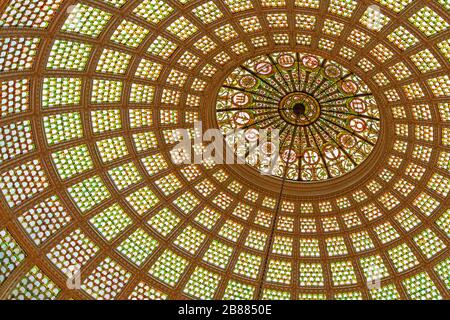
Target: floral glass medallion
(327,117)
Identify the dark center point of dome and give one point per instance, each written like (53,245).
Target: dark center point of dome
(299,109)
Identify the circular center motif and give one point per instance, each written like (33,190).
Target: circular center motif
(299,109)
(326,117)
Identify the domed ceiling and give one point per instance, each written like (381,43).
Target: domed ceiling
(96,202)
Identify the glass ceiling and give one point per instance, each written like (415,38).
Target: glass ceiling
(93,91)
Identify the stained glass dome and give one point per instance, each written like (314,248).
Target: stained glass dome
(96,204)
(327,118)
